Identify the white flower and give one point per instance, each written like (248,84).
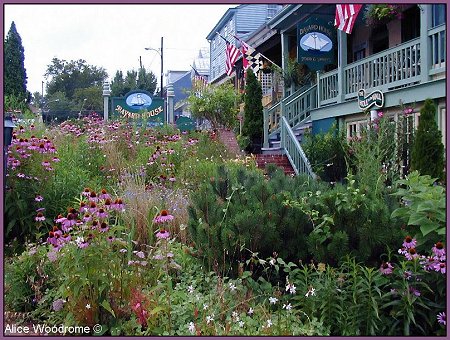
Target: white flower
(232,286)
(291,288)
(311,291)
(88,306)
(272,261)
(205,306)
(191,327)
(209,318)
(235,316)
(269,323)
(287,307)
(273,300)
(190,289)
(241,324)
(250,311)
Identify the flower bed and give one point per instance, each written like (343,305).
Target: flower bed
(131,231)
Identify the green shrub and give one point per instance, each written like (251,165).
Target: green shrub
(427,154)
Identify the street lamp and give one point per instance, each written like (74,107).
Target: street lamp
(160,52)
(7,138)
(45,106)
(81,109)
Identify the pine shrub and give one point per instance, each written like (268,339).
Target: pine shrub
(428,151)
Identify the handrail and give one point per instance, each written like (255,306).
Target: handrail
(296,110)
(294,151)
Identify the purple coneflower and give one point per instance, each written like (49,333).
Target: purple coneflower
(45,164)
(162,234)
(411,254)
(442,318)
(104,195)
(386,268)
(440,267)
(39,217)
(110,239)
(38,198)
(439,249)
(101,213)
(163,217)
(409,242)
(104,227)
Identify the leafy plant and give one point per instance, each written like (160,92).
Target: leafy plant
(423,206)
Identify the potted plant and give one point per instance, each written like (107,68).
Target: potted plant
(382,13)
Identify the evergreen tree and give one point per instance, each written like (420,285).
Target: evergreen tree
(15,75)
(253,110)
(427,155)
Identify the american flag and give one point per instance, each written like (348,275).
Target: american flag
(199,79)
(346,16)
(232,54)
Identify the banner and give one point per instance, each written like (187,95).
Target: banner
(316,42)
(140,106)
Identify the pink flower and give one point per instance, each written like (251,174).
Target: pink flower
(38,198)
(442,318)
(39,217)
(409,242)
(162,234)
(163,217)
(439,249)
(386,268)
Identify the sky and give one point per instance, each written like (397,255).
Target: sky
(111,36)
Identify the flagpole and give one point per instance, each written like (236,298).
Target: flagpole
(273,63)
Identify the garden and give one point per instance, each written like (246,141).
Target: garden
(133,231)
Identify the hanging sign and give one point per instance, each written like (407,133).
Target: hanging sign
(375,98)
(316,42)
(139,105)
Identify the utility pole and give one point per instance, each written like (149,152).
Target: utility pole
(162,72)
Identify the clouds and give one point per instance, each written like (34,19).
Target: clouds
(111,36)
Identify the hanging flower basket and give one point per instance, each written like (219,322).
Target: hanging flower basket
(382,13)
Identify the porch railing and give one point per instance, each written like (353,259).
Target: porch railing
(294,151)
(296,108)
(437,39)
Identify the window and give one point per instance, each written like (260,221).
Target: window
(359,54)
(380,39)
(438,14)
(355,128)
(410,23)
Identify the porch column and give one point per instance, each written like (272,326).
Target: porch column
(170,97)
(342,62)
(425,46)
(284,55)
(266,127)
(106,95)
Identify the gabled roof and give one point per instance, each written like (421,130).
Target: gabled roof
(223,21)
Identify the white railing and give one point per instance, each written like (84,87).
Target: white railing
(438,49)
(389,69)
(296,108)
(294,151)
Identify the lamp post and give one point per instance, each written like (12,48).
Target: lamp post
(7,138)
(81,109)
(160,52)
(45,106)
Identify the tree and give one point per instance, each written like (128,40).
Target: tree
(66,76)
(216,104)
(15,75)
(427,154)
(89,98)
(142,80)
(253,109)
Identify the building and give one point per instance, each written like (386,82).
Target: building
(239,21)
(403,57)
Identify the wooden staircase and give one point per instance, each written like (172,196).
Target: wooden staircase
(279,160)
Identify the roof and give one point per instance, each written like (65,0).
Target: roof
(223,21)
